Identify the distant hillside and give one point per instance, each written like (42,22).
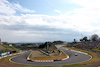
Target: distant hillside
(5,48)
(58,42)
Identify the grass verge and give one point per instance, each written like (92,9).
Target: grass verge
(73,65)
(95,57)
(62,56)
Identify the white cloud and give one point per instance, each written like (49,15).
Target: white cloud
(39,25)
(57,11)
(22,9)
(88,3)
(8,8)
(82,20)
(5,8)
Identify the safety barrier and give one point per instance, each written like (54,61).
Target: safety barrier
(9,53)
(44,52)
(86,50)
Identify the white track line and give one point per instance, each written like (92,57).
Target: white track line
(82,53)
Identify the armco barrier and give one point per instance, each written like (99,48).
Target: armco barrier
(44,52)
(58,53)
(89,50)
(28,59)
(85,49)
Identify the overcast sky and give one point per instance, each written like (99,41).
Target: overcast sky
(48,20)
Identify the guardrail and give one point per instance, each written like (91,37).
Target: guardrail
(58,53)
(44,53)
(86,50)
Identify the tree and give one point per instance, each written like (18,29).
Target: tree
(94,37)
(81,40)
(58,42)
(85,39)
(74,40)
(43,45)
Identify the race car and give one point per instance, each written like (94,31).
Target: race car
(76,54)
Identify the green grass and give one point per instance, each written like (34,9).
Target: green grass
(75,44)
(62,56)
(94,55)
(96,49)
(13,48)
(73,65)
(8,48)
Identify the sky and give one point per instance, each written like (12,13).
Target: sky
(48,20)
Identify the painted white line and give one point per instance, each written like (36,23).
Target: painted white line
(66,58)
(76,51)
(38,60)
(29,56)
(16,62)
(82,53)
(59,46)
(11,60)
(66,55)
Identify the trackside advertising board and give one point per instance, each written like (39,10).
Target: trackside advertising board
(5,53)
(0,54)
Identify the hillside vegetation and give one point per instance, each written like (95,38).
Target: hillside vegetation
(5,48)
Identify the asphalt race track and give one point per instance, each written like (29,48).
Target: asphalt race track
(22,59)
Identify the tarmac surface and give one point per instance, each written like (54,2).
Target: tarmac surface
(81,57)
